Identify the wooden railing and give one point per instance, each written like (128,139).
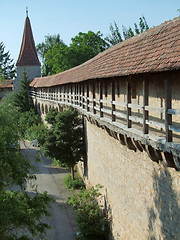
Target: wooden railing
(108,111)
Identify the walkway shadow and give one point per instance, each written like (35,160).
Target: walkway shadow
(166,209)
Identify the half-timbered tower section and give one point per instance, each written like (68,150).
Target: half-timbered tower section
(129,96)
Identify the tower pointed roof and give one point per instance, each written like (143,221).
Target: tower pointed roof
(28,55)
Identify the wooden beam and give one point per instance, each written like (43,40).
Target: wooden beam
(67,93)
(64,95)
(71,94)
(77,92)
(174,111)
(60,97)
(87,106)
(128,96)
(168,105)
(80,98)
(113,106)
(105,88)
(94,97)
(118,87)
(101,83)
(83,96)
(145,103)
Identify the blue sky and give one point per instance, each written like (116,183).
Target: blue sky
(69,17)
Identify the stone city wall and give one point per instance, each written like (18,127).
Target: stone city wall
(142,197)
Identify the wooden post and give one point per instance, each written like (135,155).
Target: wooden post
(83,106)
(76,92)
(145,103)
(100,97)
(168,105)
(71,94)
(87,106)
(64,96)
(60,93)
(128,93)
(113,106)
(67,90)
(80,98)
(94,97)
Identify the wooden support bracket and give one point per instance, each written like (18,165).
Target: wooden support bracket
(169,159)
(168,104)
(154,154)
(137,145)
(121,139)
(129,143)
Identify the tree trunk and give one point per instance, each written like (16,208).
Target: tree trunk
(72,172)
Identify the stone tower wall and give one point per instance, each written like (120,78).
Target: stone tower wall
(31,71)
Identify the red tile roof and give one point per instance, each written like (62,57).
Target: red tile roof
(155,50)
(6,84)
(28,55)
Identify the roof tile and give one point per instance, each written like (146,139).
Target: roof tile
(6,83)
(28,55)
(155,50)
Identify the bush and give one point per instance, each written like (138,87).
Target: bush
(71,184)
(28,120)
(92,221)
(60,164)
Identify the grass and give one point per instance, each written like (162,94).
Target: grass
(77,183)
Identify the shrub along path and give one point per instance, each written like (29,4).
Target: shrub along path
(50,179)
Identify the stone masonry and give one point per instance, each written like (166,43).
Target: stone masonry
(141,196)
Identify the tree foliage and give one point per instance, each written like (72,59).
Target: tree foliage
(20,214)
(92,221)
(64,140)
(22,100)
(115,35)
(56,59)
(85,46)
(44,47)
(60,57)
(7,69)
(57,56)
(29,122)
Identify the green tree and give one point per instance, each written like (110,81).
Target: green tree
(20,214)
(44,47)
(28,122)
(64,140)
(7,69)
(115,36)
(91,219)
(83,47)
(56,59)
(22,99)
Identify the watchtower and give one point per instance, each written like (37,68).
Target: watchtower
(28,60)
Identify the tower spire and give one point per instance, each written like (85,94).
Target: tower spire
(28,60)
(26,11)
(28,54)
